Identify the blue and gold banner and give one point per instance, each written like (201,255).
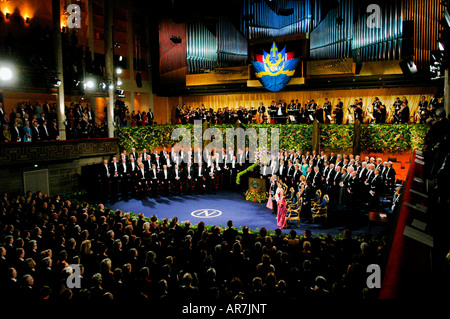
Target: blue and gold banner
(276,69)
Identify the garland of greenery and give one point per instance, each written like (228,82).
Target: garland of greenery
(374,138)
(245,171)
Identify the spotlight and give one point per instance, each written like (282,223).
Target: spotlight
(111,86)
(119,70)
(120,58)
(441,46)
(119,82)
(5,73)
(89,84)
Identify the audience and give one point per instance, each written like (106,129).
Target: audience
(38,122)
(115,256)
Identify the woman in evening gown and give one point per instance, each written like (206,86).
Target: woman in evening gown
(281,202)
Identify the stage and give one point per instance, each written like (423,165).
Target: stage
(218,209)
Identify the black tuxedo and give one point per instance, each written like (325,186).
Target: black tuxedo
(133,168)
(310,177)
(390,176)
(53,132)
(265,171)
(358,114)
(290,171)
(282,171)
(35,133)
(44,132)
(114,169)
(16,134)
(317,180)
(331,174)
(332,160)
(296,177)
(362,173)
(376,184)
(105,172)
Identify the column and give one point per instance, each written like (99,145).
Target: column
(60,105)
(109,65)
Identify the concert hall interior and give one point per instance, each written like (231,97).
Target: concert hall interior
(261,152)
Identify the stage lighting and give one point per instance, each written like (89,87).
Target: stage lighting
(90,84)
(119,70)
(441,46)
(119,82)
(6,73)
(120,58)
(111,86)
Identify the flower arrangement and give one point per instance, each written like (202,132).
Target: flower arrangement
(256,197)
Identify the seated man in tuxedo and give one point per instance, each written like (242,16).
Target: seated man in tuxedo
(165,181)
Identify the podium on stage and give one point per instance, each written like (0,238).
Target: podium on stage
(256,185)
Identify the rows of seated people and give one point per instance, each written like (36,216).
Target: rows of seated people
(55,250)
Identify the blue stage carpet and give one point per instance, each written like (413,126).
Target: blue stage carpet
(231,206)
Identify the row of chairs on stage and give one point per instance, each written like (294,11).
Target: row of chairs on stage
(295,205)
